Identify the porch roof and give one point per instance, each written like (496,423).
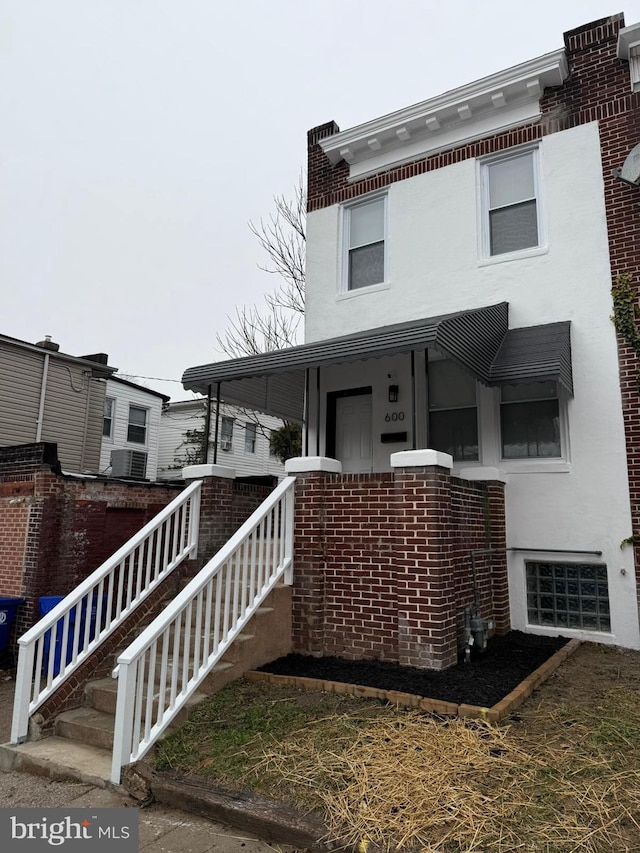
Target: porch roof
(535,354)
(274,382)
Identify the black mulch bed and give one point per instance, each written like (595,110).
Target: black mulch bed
(485,680)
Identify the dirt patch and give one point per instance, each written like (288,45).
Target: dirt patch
(484,681)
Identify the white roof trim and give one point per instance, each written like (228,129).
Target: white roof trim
(627,38)
(489,101)
(629,49)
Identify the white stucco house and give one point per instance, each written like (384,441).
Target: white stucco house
(461,254)
(242,445)
(130,430)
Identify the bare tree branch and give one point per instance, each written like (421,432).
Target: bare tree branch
(283,238)
(251,332)
(254,330)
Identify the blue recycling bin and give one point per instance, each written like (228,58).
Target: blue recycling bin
(8,609)
(46,604)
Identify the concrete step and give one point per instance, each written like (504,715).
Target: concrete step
(86,725)
(101,695)
(83,737)
(60,759)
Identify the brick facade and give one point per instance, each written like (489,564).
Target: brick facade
(225,504)
(56,529)
(383,564)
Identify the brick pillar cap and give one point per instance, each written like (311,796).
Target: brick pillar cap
(421,459)
(305,464)
(195,472)
(481,472)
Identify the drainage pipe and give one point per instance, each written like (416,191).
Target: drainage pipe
(557,551)
(43,394)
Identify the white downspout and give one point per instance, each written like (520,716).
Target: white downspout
(43,394)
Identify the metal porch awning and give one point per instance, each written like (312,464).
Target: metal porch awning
(478,339)
(535,354)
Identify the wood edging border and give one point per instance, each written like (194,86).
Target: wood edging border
(494,714)
(270,820)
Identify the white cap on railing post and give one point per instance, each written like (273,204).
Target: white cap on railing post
(309,464)
(197,472)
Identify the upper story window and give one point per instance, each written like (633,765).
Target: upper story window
(226,433)
(453,411)
(511,204)
(530,421)
(107,422)
(249,438)
(137,426)
(364,237)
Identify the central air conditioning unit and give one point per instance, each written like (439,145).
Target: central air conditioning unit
(129,463)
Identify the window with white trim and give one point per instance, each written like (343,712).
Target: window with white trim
(511,205)
(568,595)
(137,425)
(364,238)
(530,421)
(453,411)
(226,433)
(107,421)
(249,438)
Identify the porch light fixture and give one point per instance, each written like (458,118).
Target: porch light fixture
(393,393)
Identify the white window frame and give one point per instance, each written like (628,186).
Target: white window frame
(537,464)
(111,417)
(250,437)
(484,230)
(226,442)
(146,410)
(346,243)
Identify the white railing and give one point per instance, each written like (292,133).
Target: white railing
(66,636)
(163,667)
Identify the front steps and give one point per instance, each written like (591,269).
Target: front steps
(80,748)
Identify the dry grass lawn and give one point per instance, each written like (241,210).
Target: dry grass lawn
(560,776)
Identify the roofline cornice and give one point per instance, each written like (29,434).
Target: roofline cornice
(494,95)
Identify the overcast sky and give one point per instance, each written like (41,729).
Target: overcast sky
(139,137)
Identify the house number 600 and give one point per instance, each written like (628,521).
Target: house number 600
(394,416)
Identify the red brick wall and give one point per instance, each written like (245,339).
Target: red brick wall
(14,513)
(246,498)
(55,530)
(224,506)
(383,564)
(600,88)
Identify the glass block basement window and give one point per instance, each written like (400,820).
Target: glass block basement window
(568,595)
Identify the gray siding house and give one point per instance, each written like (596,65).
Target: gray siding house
(47,395)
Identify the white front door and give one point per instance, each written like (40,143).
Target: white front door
(354,447)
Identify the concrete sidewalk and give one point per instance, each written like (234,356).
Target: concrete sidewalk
(162,830)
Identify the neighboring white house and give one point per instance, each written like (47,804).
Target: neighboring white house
(243,439)
(131,430)
(458,298)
